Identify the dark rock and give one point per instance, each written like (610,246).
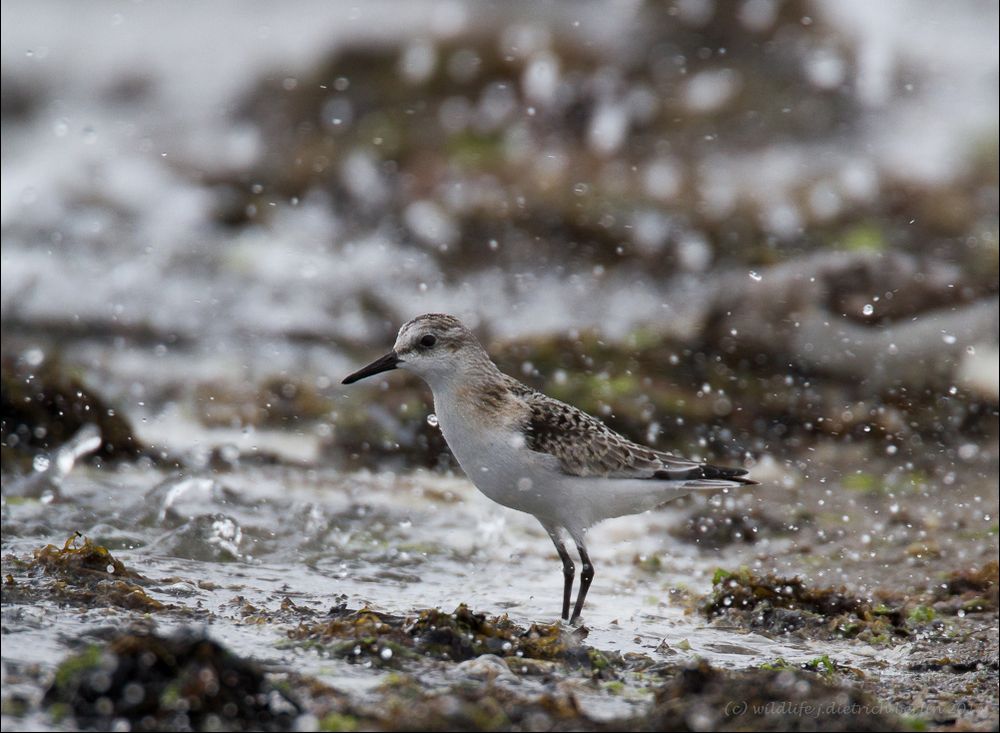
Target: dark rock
(43,407)
(179,683)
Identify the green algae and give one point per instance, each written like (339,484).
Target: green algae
(822,665)
(920,614)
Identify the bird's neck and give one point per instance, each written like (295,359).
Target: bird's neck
(470,377)
(478,393)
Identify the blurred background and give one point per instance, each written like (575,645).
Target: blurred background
(762,233)
(215,214)
(743,223)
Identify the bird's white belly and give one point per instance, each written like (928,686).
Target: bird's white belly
(497,461)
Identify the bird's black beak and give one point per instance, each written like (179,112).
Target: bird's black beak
(382,364)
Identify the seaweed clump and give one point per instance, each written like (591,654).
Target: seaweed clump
(458,636)
(705,698)
(83,573)
(184,682)
(781,605)
(970,591)
(408,706)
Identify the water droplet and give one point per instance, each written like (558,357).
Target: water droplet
(34,357)
(386,653)
(432,420)
(968,451)
(868,309)
(948,338)
(755,276)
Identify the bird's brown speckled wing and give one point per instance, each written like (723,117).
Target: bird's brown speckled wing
(584,446)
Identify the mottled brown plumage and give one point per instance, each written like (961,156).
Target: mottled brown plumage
(585,446)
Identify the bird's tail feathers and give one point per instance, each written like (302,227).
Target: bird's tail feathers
(707,476)
(714,484)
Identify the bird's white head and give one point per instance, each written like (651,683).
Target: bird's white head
(434,346)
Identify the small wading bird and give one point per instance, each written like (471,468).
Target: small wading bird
(534,453)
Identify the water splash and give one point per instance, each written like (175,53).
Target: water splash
(50,469)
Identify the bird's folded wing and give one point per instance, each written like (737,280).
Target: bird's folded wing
(584,446)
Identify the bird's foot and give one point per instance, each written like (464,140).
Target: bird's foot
(574,627)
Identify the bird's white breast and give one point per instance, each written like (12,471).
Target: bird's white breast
(491,450)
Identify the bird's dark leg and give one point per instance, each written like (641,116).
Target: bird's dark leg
(569,570)
(586,575)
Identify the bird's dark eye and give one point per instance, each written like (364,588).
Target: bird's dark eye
(428,340)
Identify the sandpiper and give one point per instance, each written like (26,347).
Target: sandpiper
(534,453)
